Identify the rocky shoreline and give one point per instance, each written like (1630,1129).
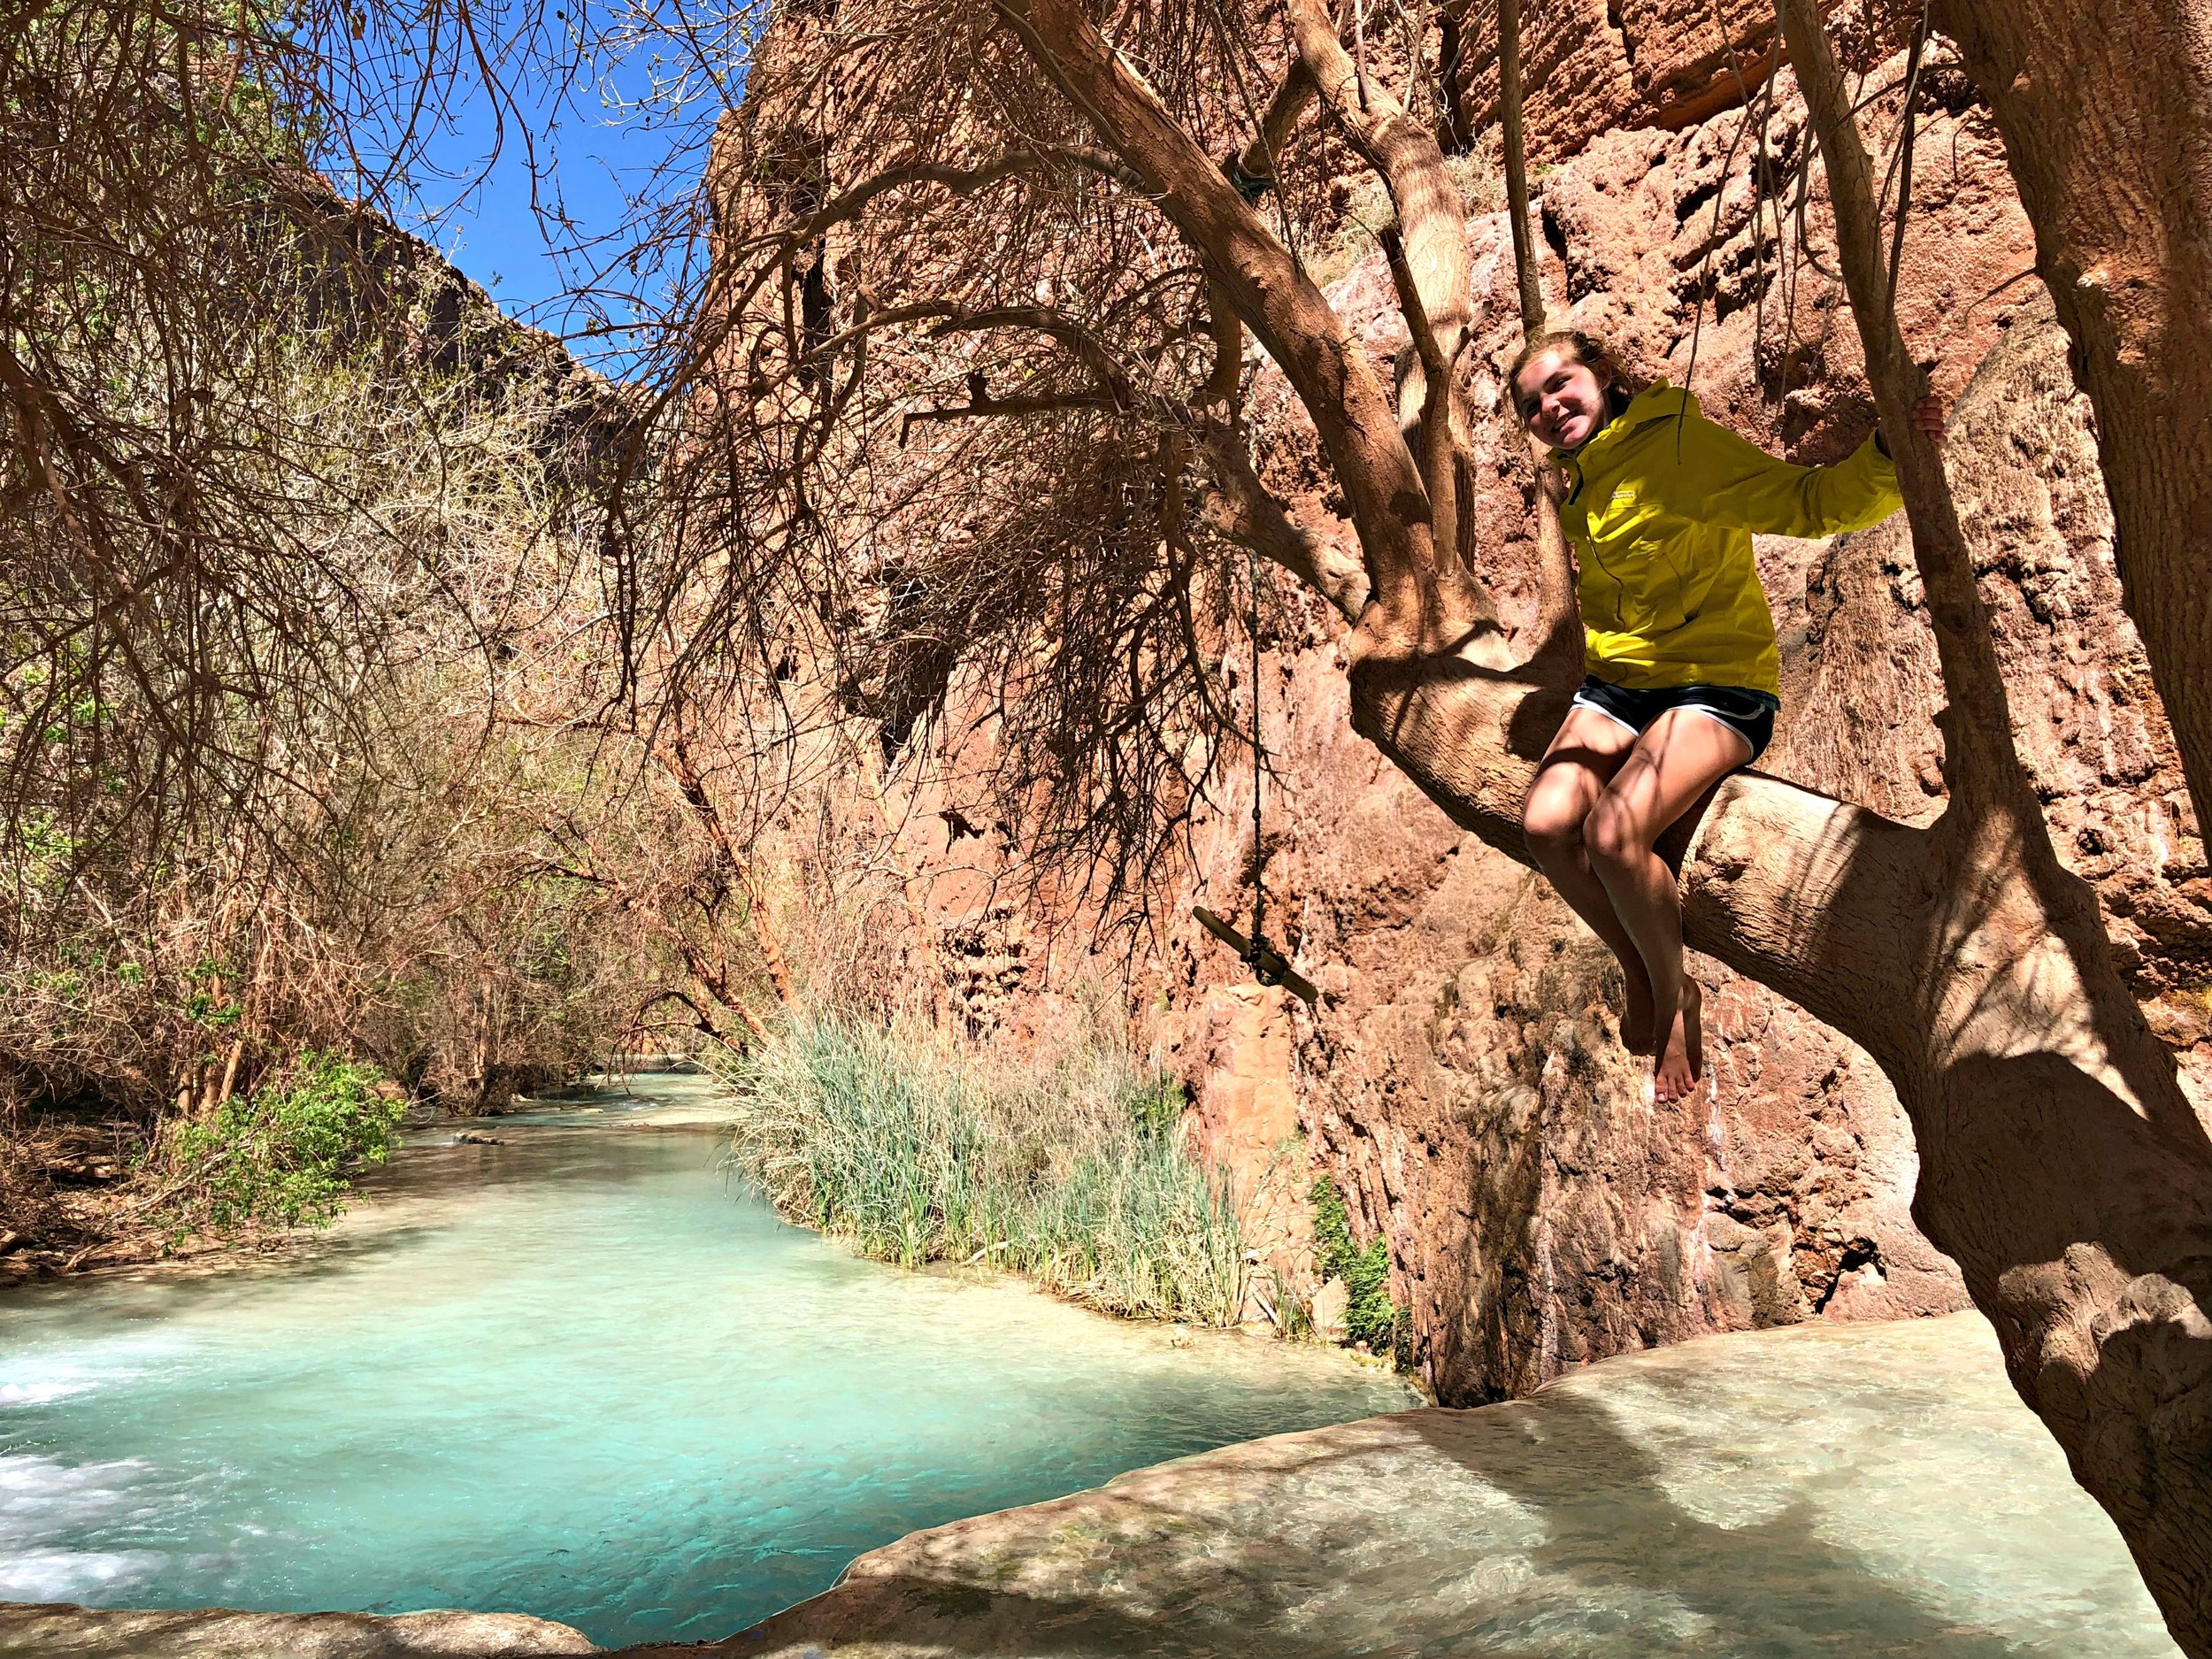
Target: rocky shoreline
(49,1631)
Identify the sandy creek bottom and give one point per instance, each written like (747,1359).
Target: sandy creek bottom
(577,1375)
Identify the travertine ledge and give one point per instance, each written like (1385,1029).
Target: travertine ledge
(59,1631)
(1788,1494)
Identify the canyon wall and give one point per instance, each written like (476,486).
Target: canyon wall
(1460,1075)
(1593,66)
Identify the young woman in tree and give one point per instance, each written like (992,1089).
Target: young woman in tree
(1683,671)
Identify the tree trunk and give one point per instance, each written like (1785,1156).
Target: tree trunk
(2062,1329)
(230,1072)
(1532,291)
(1558,632)
(2106,109)
(1431,267)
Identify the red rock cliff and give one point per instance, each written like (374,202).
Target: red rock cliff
(1461,1075)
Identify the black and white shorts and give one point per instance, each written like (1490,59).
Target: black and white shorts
(1740,708)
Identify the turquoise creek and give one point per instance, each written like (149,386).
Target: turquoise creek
(574,1374)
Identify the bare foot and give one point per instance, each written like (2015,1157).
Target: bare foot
(1683,1063)
(1639,1020)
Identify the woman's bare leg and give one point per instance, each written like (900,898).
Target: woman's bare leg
(1581,760)
(1680,755)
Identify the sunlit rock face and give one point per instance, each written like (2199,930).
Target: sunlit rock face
(1593,66)
(1461,1077)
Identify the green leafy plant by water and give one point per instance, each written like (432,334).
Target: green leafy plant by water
(283,1156)
(1370,1316)
(1071,1172)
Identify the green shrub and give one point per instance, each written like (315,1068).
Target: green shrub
(281,1158)
(1069,1172)
(1370,1316)
(1156,1106)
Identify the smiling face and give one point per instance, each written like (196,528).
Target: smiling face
(1559,399)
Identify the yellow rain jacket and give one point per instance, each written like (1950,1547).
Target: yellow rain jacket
(1661,515)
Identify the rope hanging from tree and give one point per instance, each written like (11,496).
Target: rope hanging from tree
(1269,965)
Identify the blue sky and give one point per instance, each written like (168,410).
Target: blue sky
(591,159)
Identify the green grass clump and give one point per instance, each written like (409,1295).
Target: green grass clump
(281,1157)
(1370,1316)
(1071,1173)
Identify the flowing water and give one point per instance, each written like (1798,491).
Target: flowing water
(578,1375)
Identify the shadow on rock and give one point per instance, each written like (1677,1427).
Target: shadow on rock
(1539,1528)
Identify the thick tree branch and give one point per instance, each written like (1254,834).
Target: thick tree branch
(1433,273)
(1278,301)
(1431,218)
(1224,381)
(2106,1327)
(1558,618)
(1240,509)
(1434,422)
(1532,289)
(1981,761)
(1262,158)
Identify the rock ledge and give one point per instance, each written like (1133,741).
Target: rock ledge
(52,1630)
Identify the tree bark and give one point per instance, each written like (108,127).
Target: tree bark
(1531,290)
(1431,219)
(1431,266)
(1241,510)
(2106,109)
(1558,618)
(2105,1356)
